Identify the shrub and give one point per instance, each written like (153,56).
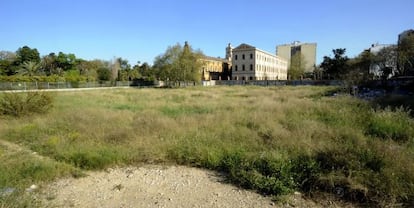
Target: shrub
(22,104)
(387,124)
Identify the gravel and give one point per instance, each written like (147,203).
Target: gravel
(157,186)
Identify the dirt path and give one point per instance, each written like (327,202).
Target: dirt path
(157,186)
(154,186)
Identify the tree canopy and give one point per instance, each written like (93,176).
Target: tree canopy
(179,63)
(297,66)
(335,67)
(406,55)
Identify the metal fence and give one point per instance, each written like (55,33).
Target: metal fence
(59,85)
(273,82)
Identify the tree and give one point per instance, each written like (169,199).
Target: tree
(406,55)
(7,59)
(104,74)
(179,64)
(29,68)
(26,54)
(297,66)
(145,71)
(335,67)
(66,61)
(386,61)
(49,64)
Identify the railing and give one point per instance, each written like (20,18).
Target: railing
(272,82)
(59,85)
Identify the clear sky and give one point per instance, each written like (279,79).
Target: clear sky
(139,30)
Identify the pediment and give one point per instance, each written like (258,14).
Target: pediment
(244,46)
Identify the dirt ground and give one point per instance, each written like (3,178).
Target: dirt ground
(159,186)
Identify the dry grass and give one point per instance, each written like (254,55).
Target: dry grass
(275,140)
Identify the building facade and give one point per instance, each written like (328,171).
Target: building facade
(251,63)
(305,50)
(390,62)
(215,68)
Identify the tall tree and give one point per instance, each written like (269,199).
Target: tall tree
(406,55)
(7,59)
(335,67)
(26,54)
(297,66)
(49,64)
(179,64)
(66,61)
(386,60)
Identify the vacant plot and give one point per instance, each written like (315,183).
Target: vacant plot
(273,140)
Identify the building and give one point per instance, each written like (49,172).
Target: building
(217,68)
(389,64)
(307,50)
(251,63)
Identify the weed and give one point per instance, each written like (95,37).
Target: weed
(22,104)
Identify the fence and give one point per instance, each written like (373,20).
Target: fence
(272,82)
(59,85)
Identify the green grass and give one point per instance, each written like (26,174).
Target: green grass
(274,140)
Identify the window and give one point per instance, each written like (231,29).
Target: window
(243,68)
(251,56)
(251,67)
(235,58)
(243,57)
(235,67)
(250,78)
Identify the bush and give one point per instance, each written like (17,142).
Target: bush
(387,124)
(22,104)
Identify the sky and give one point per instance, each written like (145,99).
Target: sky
(140,30)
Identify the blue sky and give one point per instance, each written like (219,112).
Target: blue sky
(139,30)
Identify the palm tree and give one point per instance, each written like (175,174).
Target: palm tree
(29,68)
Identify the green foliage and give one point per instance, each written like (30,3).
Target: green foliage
(297,66)
(406,55)
(26,54)
(91,158)
(104,74)
(179,64)
(30,68)
(22,104)
(335,67)
(21,169)
(396,125)
(274,140)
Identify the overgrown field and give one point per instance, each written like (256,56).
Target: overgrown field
(274,140)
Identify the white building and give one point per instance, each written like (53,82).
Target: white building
(251,63)
(390,62)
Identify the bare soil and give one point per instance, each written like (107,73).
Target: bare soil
(160,186)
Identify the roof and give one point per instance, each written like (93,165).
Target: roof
(213,58)
(244,46)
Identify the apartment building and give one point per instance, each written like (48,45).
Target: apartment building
(305,50)
(251,63)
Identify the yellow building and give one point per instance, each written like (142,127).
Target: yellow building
(217,68)
(251,63)
(306,50)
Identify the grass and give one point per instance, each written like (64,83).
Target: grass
(274,140)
